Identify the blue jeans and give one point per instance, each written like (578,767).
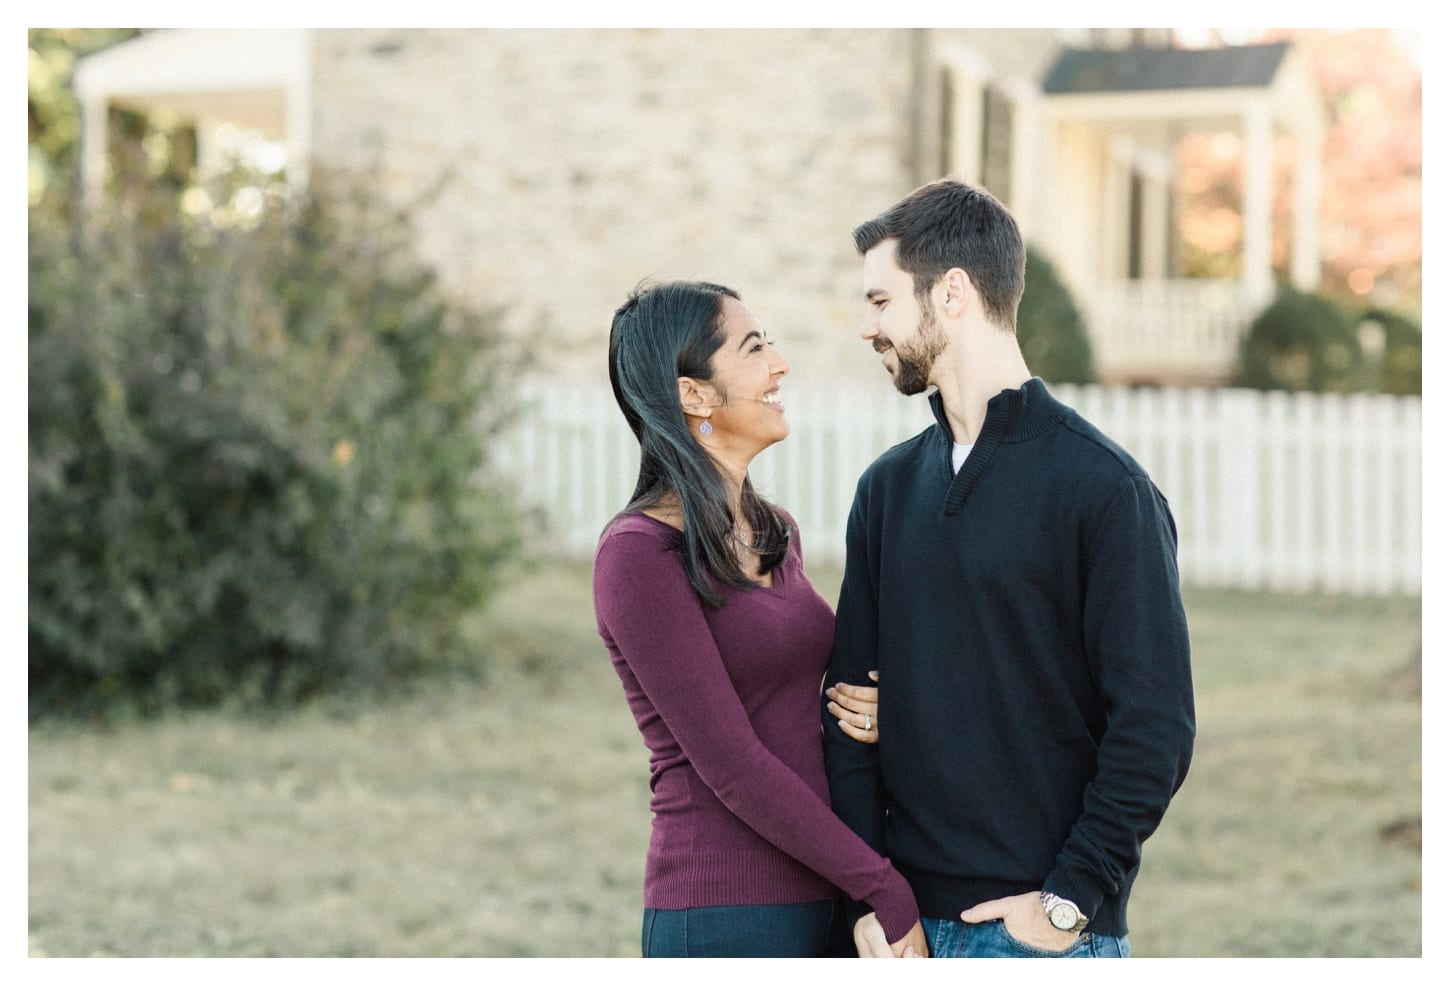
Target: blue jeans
(951,939)
(776,931)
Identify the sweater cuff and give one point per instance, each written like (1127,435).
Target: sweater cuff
(1077,885)
(895,907)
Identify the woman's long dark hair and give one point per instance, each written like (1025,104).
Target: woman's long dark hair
(661,333)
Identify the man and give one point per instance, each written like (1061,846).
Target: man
(1012,574)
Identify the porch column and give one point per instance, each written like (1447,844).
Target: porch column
(298,114)
(1308,172)
(1116,210)
(209,157)
(1026,127)
(93,147)
(1156,169)
(1258,272)
(965,152)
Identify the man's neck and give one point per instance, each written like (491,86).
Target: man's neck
(987,362)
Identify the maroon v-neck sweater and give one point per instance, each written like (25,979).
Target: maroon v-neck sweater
(728,702)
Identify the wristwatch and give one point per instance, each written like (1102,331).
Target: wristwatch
(1063,913)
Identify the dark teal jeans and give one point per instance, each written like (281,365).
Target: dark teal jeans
(814,930)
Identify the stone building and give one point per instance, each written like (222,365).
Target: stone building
(557,167)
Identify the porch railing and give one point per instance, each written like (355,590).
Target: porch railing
(1167,328)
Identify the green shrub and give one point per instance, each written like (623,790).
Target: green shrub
(1301,341)
(1398,367)
(257,457)
(1050,329)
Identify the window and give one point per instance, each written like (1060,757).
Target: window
(996,147)
(974,132)
(948,123)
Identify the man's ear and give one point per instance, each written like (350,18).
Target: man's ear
(957,293)
(697,397)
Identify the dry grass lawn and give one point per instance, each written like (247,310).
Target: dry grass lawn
(507,816)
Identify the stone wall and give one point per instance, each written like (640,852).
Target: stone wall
(575,162)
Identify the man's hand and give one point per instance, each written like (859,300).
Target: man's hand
(871,941)
(1024,919)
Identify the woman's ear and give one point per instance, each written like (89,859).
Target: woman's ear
(697,397)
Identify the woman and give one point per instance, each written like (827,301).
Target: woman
(721,642)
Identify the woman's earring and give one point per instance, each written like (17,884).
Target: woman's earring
(705,428)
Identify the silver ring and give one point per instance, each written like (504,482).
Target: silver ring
(867,727)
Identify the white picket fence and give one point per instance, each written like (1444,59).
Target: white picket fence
(1297,492)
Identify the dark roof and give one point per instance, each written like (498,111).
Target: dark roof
(1136,69)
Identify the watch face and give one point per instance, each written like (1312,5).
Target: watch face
(1063,916)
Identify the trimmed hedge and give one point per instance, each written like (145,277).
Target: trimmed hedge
(1301,341)
(257,457)
(1050,328)
(1399,369)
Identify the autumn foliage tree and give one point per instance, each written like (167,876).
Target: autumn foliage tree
(1370,212)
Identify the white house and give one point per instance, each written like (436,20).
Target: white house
(575,162)
(553,169)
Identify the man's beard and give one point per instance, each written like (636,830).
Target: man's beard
(916,359)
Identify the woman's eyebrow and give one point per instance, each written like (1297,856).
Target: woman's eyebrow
(748,336)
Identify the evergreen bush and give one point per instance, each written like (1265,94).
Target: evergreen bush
(1050,328)
(1400,351)
(257,456)
(1301,341)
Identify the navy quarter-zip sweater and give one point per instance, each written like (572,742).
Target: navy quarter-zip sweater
(1036,702)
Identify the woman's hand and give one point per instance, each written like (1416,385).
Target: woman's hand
(855,708)
(871,941)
